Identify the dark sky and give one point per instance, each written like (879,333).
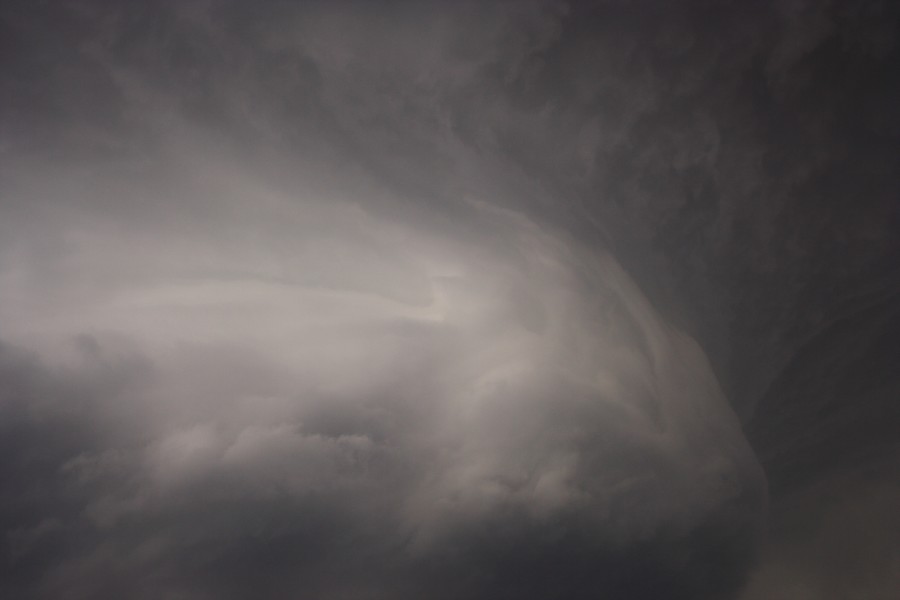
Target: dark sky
(449,300)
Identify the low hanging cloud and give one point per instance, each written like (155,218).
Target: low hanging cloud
(316,399)
(290,310)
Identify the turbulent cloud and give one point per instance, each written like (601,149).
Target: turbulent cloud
(420,300)
(435,402)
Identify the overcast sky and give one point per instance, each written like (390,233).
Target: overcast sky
(449,300)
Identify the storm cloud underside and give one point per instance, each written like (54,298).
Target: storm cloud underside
(446,300)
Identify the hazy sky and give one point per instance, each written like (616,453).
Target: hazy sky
(449,300)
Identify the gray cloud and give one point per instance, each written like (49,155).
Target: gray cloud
(434,299)
(437,436)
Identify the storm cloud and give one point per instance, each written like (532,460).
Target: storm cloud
(446,300)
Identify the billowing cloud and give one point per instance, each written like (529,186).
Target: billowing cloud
(356,387)
(412,301)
